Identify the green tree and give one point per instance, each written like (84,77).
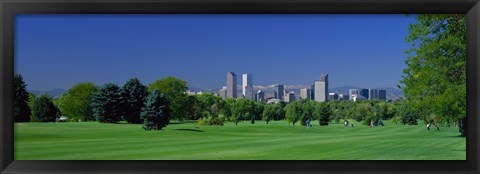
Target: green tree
(174,90)
(190,105)
(258,110)
(406,113)
(44,110)
(134,93)
(361,111)
(208,105)
(21,111)
(307,111)
(242,109)
(272,111)
(323,112)
(228,109)
(293,112)
(31,102)
(435,77)
(155,113)
(76,103)
(107,104)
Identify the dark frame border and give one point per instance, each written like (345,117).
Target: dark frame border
(9,8)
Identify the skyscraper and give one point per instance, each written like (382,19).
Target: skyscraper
(305,93)
(363,92)
(321,88)
(278,91)
(247,86)
(231,85)
(373,94)
(382,94)
(312,91)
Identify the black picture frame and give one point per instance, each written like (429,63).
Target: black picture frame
(9,8)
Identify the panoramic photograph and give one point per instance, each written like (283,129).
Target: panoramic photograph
(240,87)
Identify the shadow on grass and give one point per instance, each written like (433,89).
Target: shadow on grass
(192,130)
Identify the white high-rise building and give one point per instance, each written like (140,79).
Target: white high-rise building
(321,88)
(247,86)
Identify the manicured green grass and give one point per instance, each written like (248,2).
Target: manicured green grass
(275,141)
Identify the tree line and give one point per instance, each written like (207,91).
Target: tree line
(154,105)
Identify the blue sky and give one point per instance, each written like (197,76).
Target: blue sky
(59,51)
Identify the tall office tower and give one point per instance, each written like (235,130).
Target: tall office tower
(289,97)
(223,92)
(364,93)
(373,94)
(382,94)
(312,91)
(305,93)
(247,86)
(352,93)
(321,88)
(260,95)
(231,85)
(278,91)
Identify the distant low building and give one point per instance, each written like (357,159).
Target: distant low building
(190,92)
(305,93)
(343,97)
(332,96)
(273,100)
(289,97)
(260,96)
(223,92)
(358,97)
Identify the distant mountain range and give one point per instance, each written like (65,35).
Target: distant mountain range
(54,93)
(392,93)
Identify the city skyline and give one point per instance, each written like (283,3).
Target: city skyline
(286,49)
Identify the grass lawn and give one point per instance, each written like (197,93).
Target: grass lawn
(275,141)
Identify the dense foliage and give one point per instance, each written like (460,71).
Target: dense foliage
(323,112)
(44,110)
(107,104)
(134,94)
(434,81)
(155,113)
(273,111)
(76,103)
(174,90)
(21,110)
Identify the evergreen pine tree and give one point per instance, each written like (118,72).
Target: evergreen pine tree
(107,104)
(134,94)
(155,114)
(21,111)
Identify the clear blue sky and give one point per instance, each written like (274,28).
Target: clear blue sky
(59,51)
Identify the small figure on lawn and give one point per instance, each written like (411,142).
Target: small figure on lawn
(345,123)
(428,126)
(308,123)
(380,123)
(371,124)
